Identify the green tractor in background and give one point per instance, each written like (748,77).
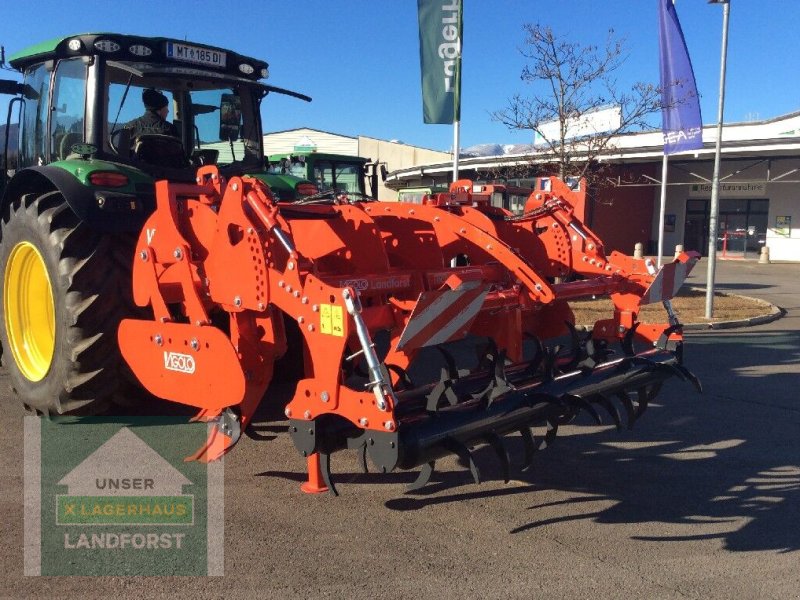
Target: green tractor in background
(331,172)
(83,185)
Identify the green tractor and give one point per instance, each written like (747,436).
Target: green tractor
(339,172)
(84,184)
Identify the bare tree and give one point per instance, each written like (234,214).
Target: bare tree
(571,81)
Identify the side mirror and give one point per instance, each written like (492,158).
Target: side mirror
(230,117)
(384,172)
(7,86)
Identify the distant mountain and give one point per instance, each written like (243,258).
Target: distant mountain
(495,150)
(482,150)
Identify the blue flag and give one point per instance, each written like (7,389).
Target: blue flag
(680,109)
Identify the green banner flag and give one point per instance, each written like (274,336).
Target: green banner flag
(440,59)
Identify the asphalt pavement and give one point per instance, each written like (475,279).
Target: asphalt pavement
(700,500)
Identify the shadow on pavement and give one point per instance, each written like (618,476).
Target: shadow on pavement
(742,286)
(726,465)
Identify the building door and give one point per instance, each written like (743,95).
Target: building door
(742,226)
(695,230)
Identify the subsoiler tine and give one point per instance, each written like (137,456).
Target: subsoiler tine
(497,445)
(423,478)
(464,454)
(325,469)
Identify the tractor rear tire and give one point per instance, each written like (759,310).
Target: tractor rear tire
(65,290)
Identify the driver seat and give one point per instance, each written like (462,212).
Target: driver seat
(160,149)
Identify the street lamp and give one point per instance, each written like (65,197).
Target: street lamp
(713,220)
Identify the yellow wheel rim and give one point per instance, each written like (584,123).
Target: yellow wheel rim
(29,311)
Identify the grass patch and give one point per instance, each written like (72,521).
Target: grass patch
(690,304)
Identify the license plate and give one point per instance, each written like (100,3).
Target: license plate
(193,54)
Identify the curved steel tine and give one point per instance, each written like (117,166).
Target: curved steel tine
(611,409)
(536,361)
(627,403)
(549,363)
(487,355)
(497,445)
(325,469)
(530,447)
(627,341)
(550,436)
(403,377)
(691,377)
(584,405)
(443,389)
(464,454)
(500,384)
(575,346)
(452,370)
(643,399)
(423,478)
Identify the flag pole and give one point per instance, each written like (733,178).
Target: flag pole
(680,109)
(663,210)
(713,218)
(456,143)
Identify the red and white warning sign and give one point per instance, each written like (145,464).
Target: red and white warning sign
(669,280)
(443,315)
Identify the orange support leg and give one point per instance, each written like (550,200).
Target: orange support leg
(315,483)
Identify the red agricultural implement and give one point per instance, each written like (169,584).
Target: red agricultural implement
(224,266)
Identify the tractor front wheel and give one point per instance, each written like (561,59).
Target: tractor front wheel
(65,289)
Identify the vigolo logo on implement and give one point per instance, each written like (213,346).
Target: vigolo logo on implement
(175,361)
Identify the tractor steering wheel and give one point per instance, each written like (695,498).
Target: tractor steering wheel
(119,138)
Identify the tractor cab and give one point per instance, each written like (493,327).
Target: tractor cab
(81,96)
(331,172)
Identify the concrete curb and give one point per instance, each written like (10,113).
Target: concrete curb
(776,312)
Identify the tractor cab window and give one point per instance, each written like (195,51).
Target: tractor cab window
(125,104)
(295,166)
(33,143)
(221,125)
(69,100)
(216,120)
(334,176)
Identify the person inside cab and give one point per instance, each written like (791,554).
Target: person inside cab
(154,119)
(153,139)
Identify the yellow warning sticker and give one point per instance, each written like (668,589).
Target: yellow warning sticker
(325,325)
(331,319)
(337,320)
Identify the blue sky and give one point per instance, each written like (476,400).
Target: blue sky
(359,59)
